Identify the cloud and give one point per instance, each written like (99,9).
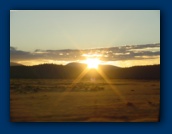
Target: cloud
(18,54)
(132,52)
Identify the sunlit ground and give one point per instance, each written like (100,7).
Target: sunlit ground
(55,100)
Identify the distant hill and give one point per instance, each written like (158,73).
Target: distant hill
(15,64)
(77,65)
(73,70)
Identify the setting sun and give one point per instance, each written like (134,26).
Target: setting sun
(92,63)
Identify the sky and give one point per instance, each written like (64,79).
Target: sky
(34,32)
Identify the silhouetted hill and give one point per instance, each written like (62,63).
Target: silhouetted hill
(73,70)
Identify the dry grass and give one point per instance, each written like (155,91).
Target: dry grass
(58,101)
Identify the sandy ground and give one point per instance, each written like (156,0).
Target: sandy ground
(55,100)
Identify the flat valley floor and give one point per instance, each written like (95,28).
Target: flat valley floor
(54,100)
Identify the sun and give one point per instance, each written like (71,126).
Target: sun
(92,63)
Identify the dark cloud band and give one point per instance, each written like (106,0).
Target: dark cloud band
(107,54)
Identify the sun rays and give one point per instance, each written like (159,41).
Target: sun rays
(92,64)
(113,88)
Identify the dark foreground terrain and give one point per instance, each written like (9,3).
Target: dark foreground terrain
(55,100)
(72,70)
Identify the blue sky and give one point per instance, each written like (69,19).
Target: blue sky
(80,29)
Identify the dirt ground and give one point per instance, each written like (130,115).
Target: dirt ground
(53,100)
